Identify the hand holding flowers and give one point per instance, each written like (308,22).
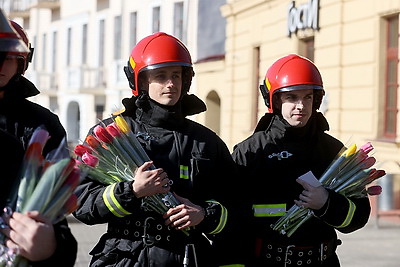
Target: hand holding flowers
(349,175)
(36,227)
(149,182)
(114,154)
(314,197)
(43,197)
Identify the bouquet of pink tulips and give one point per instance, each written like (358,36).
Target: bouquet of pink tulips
(46,185)
(112,154)
(350,174)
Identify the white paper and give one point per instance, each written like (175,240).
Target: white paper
(310,179)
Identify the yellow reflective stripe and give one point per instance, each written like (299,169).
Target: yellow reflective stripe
(350,214)
(112,203)
(222,220)
(269,210)
(108,204)
(184,172)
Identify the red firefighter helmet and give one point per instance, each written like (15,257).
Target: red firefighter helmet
(289,73)
(25,57)
(10,41)
(156,51)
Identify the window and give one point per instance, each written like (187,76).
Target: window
(69,36)
(101,42)
(156,19)
(84,43)
(257,81)
(44,49)
(213,114)
(117,37)
(392,60)
(53,103)
(306,48)
(178,21)
(54,53)
(99,111)
(100,103)
(133,30)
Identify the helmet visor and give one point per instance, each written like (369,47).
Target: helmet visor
(10,44)
(166,64)
(300,87)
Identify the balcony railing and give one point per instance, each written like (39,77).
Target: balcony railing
(20,8)
(15,8)
(51,4)
(44,81)
(86,78)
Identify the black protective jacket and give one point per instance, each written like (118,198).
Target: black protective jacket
(181,147)
(18,119)
(271,160)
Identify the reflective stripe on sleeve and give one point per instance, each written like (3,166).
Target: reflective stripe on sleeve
(183,172)
(269,210)
(222,220)
(350,214)
(112,203)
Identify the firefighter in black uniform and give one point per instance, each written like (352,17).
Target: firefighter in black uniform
(198,162)
(39,241)
(288,142)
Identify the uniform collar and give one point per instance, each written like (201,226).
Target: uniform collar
(144,109)
(19,87)
(317,122)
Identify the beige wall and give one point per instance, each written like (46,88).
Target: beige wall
(348,51)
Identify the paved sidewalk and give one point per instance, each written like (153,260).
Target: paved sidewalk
(371,246)
(367,247)
(87,236)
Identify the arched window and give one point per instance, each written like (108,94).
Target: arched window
(213,113)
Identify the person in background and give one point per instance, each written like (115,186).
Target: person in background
(184,152)
(288,142)
(42,243)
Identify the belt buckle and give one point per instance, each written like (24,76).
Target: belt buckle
(147,239)
(323,251)
(305,256)
(288,252)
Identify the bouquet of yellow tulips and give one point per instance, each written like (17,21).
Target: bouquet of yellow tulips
(350,174)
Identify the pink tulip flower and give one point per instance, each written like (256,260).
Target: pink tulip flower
(90,160)
(366,148)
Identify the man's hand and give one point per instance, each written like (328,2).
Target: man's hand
(184,215)
(150,182)
(312,197)
(31,234)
